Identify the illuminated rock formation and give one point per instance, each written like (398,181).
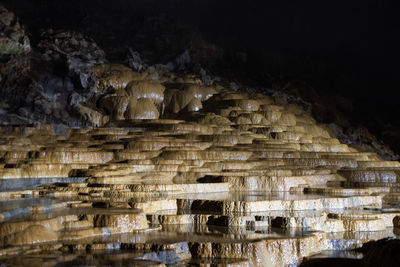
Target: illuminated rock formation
(182,172)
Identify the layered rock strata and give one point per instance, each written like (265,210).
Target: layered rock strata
(186,173)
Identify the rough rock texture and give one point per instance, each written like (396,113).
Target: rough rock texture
(13,39)
(57,44)
(68,69)
(175,168)
(243,179)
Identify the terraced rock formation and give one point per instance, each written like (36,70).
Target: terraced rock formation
(178,173)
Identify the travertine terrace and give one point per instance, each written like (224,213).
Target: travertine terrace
(174,172)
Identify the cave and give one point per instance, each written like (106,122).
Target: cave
(199,133)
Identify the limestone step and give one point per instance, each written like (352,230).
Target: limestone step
(74,157)
(371,175)
(227,178)
(129,188)
(247,203)
(378,164)
(39,170)
(157,144)
(166,176)
(206,155)
(22,208)
(314,221)
(387,217)
(315,162)
(353,240)
(209,219)
(181,188)
(125,155)
(340,191)
(279,183)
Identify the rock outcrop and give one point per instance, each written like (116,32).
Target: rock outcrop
(157,168)
(13,39)
(243,179)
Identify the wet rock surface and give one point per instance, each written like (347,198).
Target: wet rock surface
(243,181)
(105,164)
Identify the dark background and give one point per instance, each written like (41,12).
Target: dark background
(348,48)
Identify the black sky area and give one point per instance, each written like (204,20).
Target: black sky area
(346,47)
